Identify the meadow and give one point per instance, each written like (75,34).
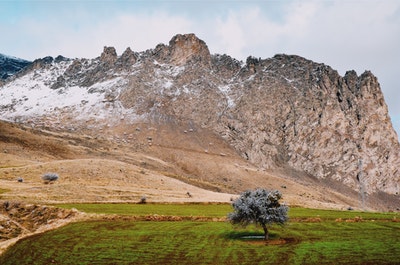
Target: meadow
(311,237)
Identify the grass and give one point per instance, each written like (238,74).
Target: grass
(302,213)
(217,210)
(207,210)
(120,241)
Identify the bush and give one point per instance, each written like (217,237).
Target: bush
(50,177)
(143,200)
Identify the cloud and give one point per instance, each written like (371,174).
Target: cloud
(347,34)
(141,32)
(86,39)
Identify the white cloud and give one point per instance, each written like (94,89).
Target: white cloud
(140,32)
(340,31)
(230,35)
(250,32)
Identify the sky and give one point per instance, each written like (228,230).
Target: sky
(344,34)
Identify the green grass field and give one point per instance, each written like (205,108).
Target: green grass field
(207,210)
(216,210)
(375,240)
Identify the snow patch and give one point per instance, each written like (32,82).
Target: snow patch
(31,96)
(226,90)
(288,80)
(168,84)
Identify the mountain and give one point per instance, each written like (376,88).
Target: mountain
(11,65)
(288,115)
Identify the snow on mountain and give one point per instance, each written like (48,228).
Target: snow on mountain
(53,91)
(4,58)
(31,97)
(9,65)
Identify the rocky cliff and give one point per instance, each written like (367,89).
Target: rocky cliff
(284,112)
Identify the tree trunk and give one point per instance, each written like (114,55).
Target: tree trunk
(266,234)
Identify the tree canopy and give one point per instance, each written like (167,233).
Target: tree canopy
(261,207)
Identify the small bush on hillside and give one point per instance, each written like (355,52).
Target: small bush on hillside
(50,177)
(143,200)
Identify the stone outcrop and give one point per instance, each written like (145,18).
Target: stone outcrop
(109,55)
(127,59)
(183,49)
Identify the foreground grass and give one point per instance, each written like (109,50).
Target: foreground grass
(312,237)
(124,242)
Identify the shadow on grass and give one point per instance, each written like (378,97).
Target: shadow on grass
(258,238)
(248,235)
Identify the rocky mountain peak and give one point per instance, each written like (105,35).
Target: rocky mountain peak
(187,47)
(127,58)
(109,55)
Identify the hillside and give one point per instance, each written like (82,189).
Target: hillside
(106,171)
(178,112)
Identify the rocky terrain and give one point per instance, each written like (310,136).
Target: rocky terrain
(215,122)
(18,220)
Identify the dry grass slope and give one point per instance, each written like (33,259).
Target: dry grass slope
(161,162)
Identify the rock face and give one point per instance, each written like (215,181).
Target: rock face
(183,49)
(303,114)
(283,112)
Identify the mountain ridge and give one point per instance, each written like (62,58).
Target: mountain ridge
(10,65)
(284,112)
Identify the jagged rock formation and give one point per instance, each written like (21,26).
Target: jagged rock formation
(185,48)
(282,112)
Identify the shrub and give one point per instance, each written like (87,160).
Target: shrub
(143,200)
(50,177)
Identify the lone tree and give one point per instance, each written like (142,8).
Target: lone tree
(259,206)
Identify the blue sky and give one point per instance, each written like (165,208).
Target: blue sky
(345,34)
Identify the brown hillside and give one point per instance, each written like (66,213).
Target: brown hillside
(162,163)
